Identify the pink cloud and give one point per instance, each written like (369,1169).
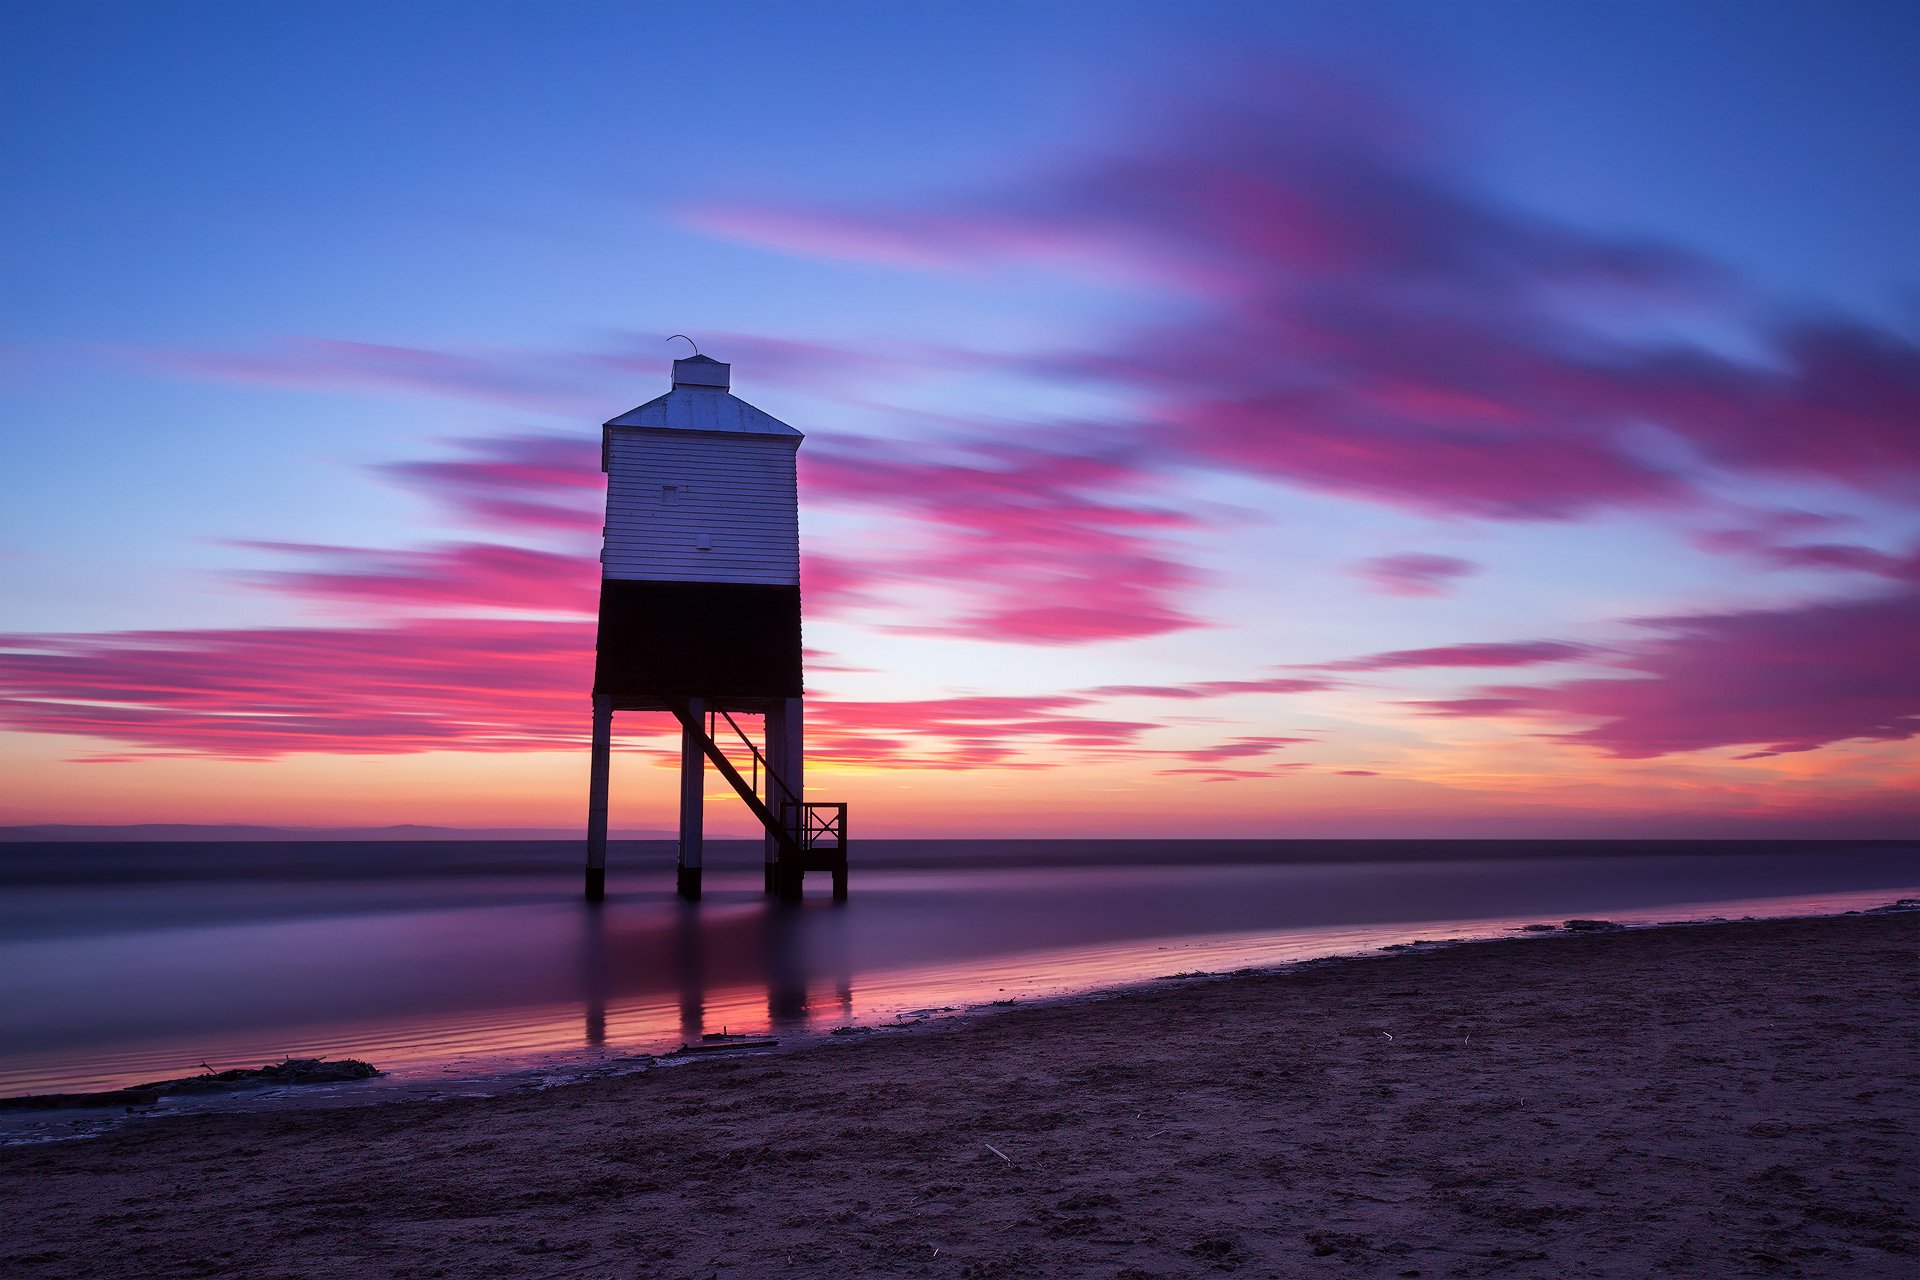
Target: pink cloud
(1214,688)
(1764,543)
(488,576)
(1415,573)
(1273,684)
(1234,759)
(1356,318)
(421,685)
(1839,404)
(1238,749)
(832,582)
(1493,702)
(462,684)
(1146,691)
(1847,556)
(420,661)
(1035,545)
(1788,679)
(1522,653)
(965,732)
(469,684)
(537,483)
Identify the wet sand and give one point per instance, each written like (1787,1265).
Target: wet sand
(1716,1100)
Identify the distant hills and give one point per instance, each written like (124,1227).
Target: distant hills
(193,831)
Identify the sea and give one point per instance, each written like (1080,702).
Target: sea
(449,961)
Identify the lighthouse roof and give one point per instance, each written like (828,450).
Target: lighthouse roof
(700,401)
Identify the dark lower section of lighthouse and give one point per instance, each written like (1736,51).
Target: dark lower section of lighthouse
(712,654)
(726,640)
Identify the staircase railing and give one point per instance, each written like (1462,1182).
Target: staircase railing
(760,762)
(790,846)
(801,828)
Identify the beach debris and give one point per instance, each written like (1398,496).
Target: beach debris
(721,1042)
(1592,926)
(1387,1034)
(288,1071)
(997,1151)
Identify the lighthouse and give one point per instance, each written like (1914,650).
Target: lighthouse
(700,618)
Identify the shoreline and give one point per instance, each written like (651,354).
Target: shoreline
(502,974)
(1622,1102)
(24,1120)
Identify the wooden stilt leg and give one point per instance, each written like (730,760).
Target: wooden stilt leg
(597,778)
(793,725)
(693,780)
(776,749)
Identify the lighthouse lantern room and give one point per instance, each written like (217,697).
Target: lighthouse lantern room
(700,617)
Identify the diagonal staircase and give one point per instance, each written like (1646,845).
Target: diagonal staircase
(810,836)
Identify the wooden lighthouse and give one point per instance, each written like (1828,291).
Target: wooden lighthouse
(700,617)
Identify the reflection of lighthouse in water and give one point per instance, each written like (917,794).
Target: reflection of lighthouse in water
(700,970)
(700,617)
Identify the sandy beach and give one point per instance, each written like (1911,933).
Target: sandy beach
(1715,1100)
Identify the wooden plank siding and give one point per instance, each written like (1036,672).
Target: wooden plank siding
(737,490)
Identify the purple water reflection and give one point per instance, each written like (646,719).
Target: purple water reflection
(122,963)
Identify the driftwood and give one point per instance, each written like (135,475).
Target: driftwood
(285,1072)
(712,1043)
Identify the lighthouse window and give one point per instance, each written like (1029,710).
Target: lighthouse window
(703,542)
(670,493)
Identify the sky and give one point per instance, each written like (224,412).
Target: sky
(1295,419)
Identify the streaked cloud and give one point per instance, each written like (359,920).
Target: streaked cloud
(1415,573)
(1522,653)
(1778,680)
(1030,544)
(1357,318)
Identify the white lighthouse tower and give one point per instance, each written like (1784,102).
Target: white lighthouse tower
(700,617)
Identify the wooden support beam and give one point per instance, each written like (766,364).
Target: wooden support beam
(597,778)
(791,742)
(693,786)
(780,765)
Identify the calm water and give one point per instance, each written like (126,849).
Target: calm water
(121,963)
